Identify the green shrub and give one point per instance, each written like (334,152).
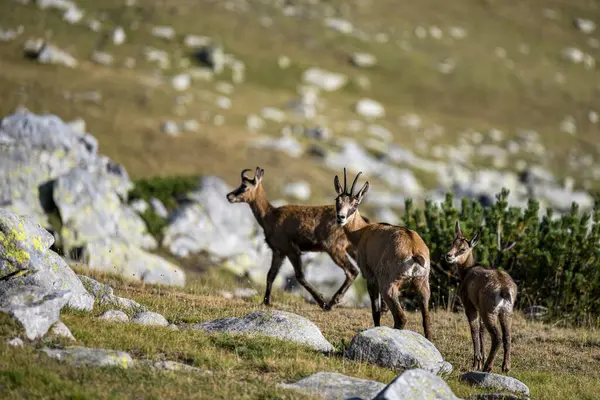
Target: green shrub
(555,261)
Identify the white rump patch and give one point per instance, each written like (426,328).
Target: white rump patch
(502,304)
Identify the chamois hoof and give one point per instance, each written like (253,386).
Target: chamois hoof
(506,369)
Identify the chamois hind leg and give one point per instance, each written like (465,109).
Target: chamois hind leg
(505,324)
(375,296)
(471,313)
(339,257)
(422,287)
(481,337)
(297,264)
(489,320)
(276,263)
(391,295)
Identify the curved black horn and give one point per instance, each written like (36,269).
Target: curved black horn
(345,184)
(244,174)
(354,183)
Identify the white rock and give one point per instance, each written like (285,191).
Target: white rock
(420,32)
(589,62)
(118,36)
(139,205)
(149,318)
(593,117)
(585,25)
(224,87)
(284,62)
(181,82)
(568,125)
(73,15)
(435,32)
(61,330)
(170,128)
(190,125)
(197,41)
(224,102)
(363,60)
(273,114)
(369,108)
(339,25)
(573,54)
(164,32)
(158,207)
(446,66)
(114,316)
(102,58)
(326,80)
(458,32)
(15,342)
(380,132)
(254,122)
(298,190)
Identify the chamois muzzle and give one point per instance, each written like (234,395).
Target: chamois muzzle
(450,258)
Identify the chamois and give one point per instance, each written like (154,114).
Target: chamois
(391,258)
(487,295)
(292,229)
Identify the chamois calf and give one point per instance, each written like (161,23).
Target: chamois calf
(292,229)
(487,295)
(390,257)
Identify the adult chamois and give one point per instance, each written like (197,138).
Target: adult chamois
(292,229)
(488,295)
(391,258)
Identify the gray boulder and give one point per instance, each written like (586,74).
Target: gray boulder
(106,297)
(278,324)
(25,259)
(35,308)
(149,318)
(397,349)
(84,356)
(114,316)
(416,384)
(334,386)
(60,330)
(495,382)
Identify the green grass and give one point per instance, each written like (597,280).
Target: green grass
(482,93)
(554,362)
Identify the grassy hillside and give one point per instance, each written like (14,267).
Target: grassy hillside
(555,363)
(509,75)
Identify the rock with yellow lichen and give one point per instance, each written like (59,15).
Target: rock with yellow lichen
(84,356)
(25,259)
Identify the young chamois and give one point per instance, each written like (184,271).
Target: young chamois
(292,229)
(391,258)
(487,295)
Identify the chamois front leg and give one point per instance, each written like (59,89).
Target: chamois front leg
(297,264)
(375,296)
(471,313)
(276,263)
(351,273)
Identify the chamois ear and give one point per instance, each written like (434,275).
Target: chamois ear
(475,240)
(338,187)
(362,191)
(457,231)
(259,175)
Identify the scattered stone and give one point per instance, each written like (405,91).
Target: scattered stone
(122,303)
(325,80)
(495,382)
(568,125)
(223,102)
(95,25)
(435,32)
(369,108)
(240,293)
(181,82)
(158,207)
(416,384)
(196,41)
(6,35)
(170,128)
(446,65)
(334,386)
(593,117)
(397,349)
(297,190)
(190,125)
(420,32)
(363,60)
(139,205)
(114,316)
(573,54)
(163,32)
(496,396)
(35,308)
(254,122)
(102,58)
(339,25)
(287,144)
(47,53)
(149,318)
(284,62)
(585,25)
(105,295)
(84,356)
(273,114)
(535,312)
(458,32)
(73,15)
(238,71)
(278,324)
(15,342)
(60,330)
(177,366)
(118,36)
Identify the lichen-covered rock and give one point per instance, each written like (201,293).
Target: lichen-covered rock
(417,384)
(95,288)
(149,318)
(106,297)
(132,262)
(114,316)
(25,259)
(487,380)
(91,209)
(278,324)
(397,349)
(334,386)
(84,356)
(35,308)
(60,330)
